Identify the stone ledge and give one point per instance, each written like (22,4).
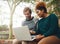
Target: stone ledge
(6,41)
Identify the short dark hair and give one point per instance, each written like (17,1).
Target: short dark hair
(27,9)
(41,6)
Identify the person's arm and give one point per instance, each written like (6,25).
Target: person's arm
(32,32)
(53,26)
(39,37)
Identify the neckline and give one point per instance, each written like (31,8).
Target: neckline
(30,19)
(46,16)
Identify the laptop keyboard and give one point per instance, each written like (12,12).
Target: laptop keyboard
(32,37)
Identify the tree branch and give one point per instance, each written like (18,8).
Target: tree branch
(9,4)
(18,2)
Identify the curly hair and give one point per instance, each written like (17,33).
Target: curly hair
(41,6)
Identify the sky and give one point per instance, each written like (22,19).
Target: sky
(18,16)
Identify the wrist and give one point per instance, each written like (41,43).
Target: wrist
(43,36)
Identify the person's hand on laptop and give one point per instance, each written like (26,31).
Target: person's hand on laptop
(32,32)
(38,37)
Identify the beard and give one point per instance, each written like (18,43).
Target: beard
(27,18)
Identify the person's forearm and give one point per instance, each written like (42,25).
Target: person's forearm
(32,32)
(39,36)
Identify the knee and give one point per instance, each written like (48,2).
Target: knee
(41,42)
(49,40)
(15,41)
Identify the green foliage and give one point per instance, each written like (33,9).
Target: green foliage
(56,6)
(3,27)
(4,32)
(45,0)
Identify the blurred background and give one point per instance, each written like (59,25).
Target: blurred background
(11,14)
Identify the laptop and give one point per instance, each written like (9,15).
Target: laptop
(23,34)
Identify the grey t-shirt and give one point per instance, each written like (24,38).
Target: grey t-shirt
(30,23)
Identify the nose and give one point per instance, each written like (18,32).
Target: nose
(26,15)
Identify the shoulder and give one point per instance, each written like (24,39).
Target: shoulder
(23,22)
(53,16)
(35,19)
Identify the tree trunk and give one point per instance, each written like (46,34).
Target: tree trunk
(11,22)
